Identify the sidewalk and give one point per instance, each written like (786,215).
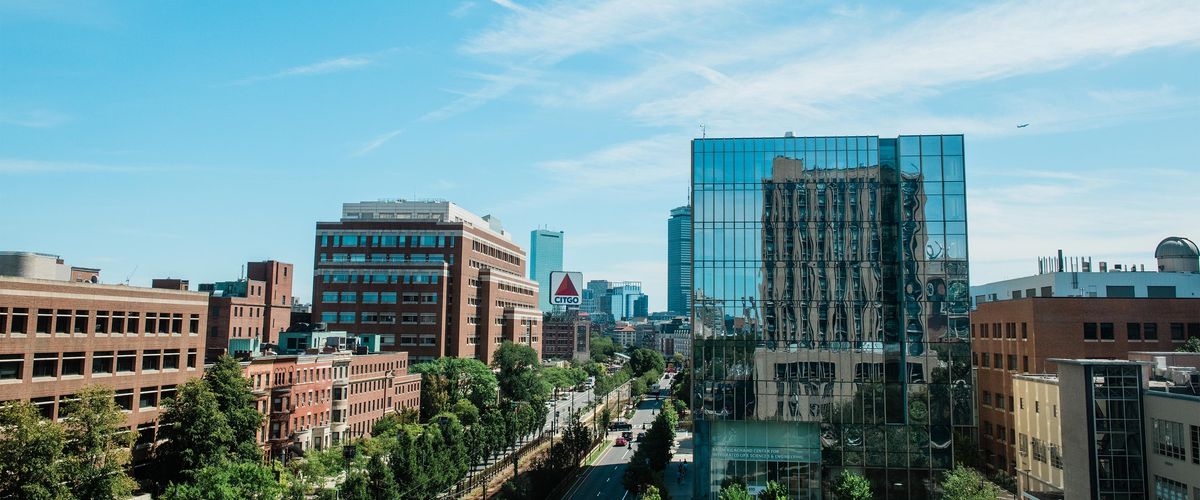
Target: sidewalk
(682,456)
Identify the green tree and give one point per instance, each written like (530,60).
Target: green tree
(519,377)
(381,484)
(355,487)
(602,348)
(30,450)
(97,450)
(734,491)
(229,384)
(652,493)
(962,483)
(197,433)
(681,386)
(774,491)
(644,360)
(456,379)
(851,486)
(1192,345)
(466,412)
(227,480)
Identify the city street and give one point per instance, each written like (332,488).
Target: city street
(602,479)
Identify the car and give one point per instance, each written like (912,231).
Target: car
(620,442)
(620,426)
(641,436)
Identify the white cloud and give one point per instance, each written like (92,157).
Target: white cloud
(22,166)
(929,54)
(38,118)
(1103,210)
(334,65)
(463,9)
(376,142)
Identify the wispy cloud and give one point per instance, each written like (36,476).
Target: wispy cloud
(463,9)
(334,65)
(38,118)
(22,166)
(376,142)
(495,86)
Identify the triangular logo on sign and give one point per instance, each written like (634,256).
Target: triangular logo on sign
(566,287)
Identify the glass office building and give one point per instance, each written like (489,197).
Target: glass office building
(679,261)
(829,312)
(545,256)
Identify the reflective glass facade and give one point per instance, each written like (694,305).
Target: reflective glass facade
(679,263)
(829,311)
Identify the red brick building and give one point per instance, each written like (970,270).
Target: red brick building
(246,313)
(1011,337)
(566,335)
(314,401)
(429,278)
(58,336)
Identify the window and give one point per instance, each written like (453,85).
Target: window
(329,297)
(1121,291)
(72,363)
(1168,489)
(346,317)
(428,318)
(1168,439)
(1160,292)
(328,317)
(1025,364)
(1195,444)
(410,298)
(1133,331)
(1023,444)
(1012,362)
(349,297)
(148,398)
(62,323)
(1024,330)
(131,323)
(1150,331)
(1177,332)
(45,364)
(44,319)
(151,359)
(81,321)
(12,366)
(170,359)
(387,298)
(429,298)
(1106,331)
(1055,457)
(999,404)
(1039,450)
(987,398)
(370,297)
(124,399)
(126,361)
(997,361)
(194,324)
(984,359)
(19,321)
(191,358)
(1089,331)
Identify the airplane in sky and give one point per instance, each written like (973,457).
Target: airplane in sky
(1023,125)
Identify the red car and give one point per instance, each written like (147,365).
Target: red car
(621,442)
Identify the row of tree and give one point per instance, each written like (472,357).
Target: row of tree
(647,466)
(960,483)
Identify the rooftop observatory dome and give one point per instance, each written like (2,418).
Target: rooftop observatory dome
(1176,246)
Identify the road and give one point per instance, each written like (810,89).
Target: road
(602,479)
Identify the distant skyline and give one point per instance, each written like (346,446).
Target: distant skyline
(152,139)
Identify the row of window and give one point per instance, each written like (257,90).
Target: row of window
(387,258)
(1140,331)
(497,253)
(378,298)
(388,241)
(379,318)
(980,330)
(81,321)
(407,278)
(1169,439)
(52,365)
(148,398)
(999,361)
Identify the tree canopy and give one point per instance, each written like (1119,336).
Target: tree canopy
(851,486)
(30,449)
(644,360)
(97,450)
(963,483)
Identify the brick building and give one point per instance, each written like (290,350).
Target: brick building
(251,311)
(57,336)
(566,335)
(1018,337)
(314,401)
(428,277)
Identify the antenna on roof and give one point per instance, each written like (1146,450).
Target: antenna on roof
(702,131)
(130,276)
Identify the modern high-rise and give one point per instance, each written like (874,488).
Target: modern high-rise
(426,277)
(679,260)
(545,256)
(830,312)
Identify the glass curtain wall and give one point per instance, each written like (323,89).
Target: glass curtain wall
(830,310)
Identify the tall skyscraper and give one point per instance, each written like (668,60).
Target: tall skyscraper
(426,277)
(830,313)
(546,255)
(679,264)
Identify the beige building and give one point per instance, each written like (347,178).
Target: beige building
(1173,442)
(1039,433)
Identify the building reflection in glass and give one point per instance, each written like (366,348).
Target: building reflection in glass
(830,311)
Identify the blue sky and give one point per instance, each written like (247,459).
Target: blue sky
(184,139)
